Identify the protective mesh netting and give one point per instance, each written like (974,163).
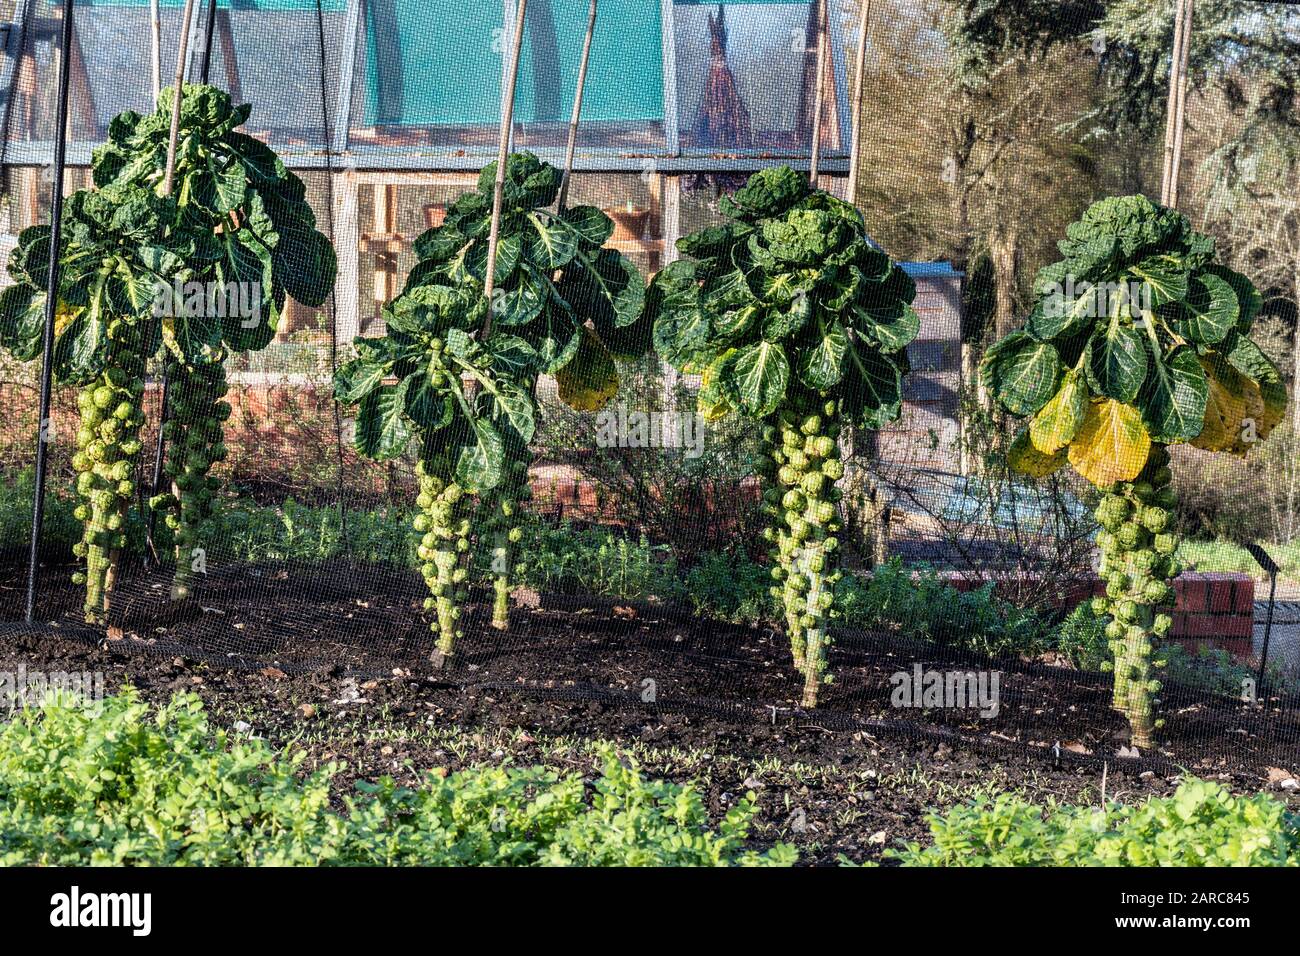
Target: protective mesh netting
(387,109)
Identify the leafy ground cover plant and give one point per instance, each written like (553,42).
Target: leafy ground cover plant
(117,248)
(795,320)
(1138,340)
(1201,824)
(454,398)
(571,307)
(254,243)
(139,785)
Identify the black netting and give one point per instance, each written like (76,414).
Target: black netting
(647,571)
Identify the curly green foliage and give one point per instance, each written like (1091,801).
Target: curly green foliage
(1202,824)
(139,785)
(117,249)
(795,319)
(252,231)
(1138,340)
(552,276)
(570,306)
(233,191)
(459,400)
(196,410)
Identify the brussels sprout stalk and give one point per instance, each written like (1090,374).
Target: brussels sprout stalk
(196,409)
(108,448)
(803,469)
(443,543)
(1137,567)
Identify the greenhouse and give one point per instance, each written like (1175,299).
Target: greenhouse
(882,387)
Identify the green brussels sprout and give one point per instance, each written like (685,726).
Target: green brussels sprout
(1166,543)
(103,396)
(1155,519)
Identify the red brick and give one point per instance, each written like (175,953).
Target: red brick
(1193,594)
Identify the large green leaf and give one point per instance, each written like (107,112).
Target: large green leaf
(481,462)
(382,430)
(22,321)
(1210,310)
(1165,279)
(1117,362)
(1022,372)
(758,377)
(1173,399)
(821,364)
(872,388)
(356,379)
(81,352)
(549,244)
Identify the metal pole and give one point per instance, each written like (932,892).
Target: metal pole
(507,122)
(169,177)
(859,75)
(208,29)
(814,160)
(577,109)
(51,308)
(1268,629)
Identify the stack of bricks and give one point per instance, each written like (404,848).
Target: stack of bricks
(1215,610)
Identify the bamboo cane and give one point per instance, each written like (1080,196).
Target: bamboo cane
(155,60)
(1180,121)
(169,177)
(577,110)
(507,122)
(859,75)
(1171,101)
(814,159)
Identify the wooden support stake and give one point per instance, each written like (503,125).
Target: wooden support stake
(1180,112)
(814,160)
(507,123)
(155,35)
(1171,101)
(169,181)
(577,109)
(859,77)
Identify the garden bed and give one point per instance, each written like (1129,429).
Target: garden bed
(343,619)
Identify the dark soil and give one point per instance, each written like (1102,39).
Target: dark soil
(336,658)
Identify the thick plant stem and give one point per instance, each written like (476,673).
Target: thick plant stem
(195,413)
(503,523)
(442,546)
(502,553)
(108,448)
(1137,567)
(804,467)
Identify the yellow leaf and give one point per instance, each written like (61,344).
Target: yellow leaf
(590,379)
(1059,420)
(1226,406)
(710,401)
(1112,445)
(1023,456)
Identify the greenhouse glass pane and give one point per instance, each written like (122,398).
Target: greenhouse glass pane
(746,77)
(265,52)
(623,103)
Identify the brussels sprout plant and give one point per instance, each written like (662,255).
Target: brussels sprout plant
(571,308)
(255,241)
(454,398)
(1138,340)
(117,250)
(793,318)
